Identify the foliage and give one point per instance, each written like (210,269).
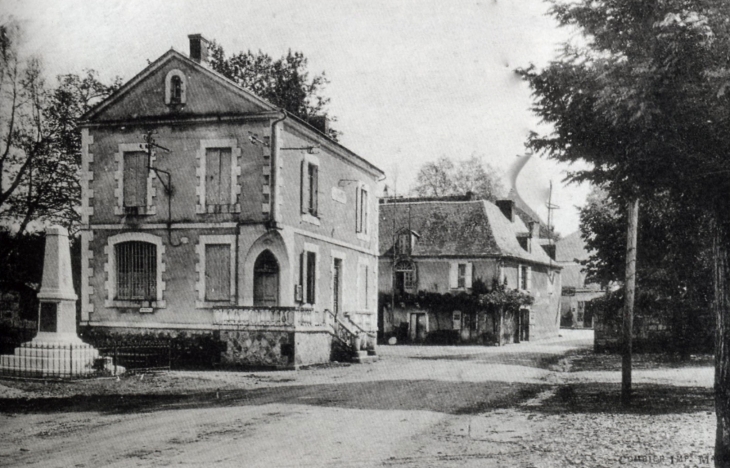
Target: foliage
(498,296)
(444,177)
(40,148)
(284,82)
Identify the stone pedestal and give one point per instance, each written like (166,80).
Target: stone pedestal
(56,350)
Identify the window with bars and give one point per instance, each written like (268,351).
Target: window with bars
(135,179)
(217,176)
(136,271)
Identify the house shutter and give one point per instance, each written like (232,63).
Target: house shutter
(305,187)
(224,196)
(314,189)
(358,217)
(454,276)
(218,272)
(135,179)
(364,211)
(528,272)
(519,277)
(469,275)
(212,176)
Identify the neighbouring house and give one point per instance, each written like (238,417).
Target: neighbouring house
(449,245)
(209,212)
(576,294)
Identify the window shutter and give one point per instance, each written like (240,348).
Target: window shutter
(519,277)
(212,176)
(315,190)
(218,272)
(358,217)
(130,173)
(454,276)
(364,211)
(305,187)
(528,272)
(469,275)
(302,272)
(141,179)
(225,176)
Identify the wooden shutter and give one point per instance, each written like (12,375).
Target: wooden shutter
(311,277)
(528,272)
(454,276)
(363,210)
(135,179)
(218,272)
(358,216)
(314,189)
(224,197)
(519,277)
(212,176)
(305,187)
(469,275)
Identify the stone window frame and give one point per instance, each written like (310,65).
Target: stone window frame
(168,87)
(454,275)
(200,302)
(110,267)
(150,209)
(232,143)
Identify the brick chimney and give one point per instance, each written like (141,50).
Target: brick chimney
(508,209)
(199,48)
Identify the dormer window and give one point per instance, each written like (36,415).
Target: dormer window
(175,88)
(403,243)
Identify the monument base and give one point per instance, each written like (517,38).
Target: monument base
(50,355)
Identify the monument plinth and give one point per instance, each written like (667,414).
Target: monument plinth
(56,350)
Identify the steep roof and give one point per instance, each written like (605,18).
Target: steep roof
(456,228)
(571,248)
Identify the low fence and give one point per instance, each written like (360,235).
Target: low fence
(70,360)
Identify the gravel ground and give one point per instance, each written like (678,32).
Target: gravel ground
(543,404)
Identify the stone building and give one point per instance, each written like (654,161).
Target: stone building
(207,210)
(446,245)
(576,295)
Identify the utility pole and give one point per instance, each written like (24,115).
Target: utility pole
(630,290)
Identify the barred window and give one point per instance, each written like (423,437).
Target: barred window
(136,271)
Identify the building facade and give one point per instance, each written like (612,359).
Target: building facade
(447,245)
(576,295)
(208,210)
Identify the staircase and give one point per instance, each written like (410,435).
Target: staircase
(350,342)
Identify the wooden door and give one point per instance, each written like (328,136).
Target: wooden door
(266,280)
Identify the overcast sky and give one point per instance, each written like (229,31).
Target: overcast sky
(410,80)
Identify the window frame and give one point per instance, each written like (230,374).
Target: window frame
(149,208)
(362,211)
(309,274)
(110,267)
(175,73)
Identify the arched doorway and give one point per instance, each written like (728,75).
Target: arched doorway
(266,280)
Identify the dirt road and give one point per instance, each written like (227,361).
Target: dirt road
(417,406)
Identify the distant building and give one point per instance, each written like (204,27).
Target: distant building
(576,293)
(446,245)
(240,222)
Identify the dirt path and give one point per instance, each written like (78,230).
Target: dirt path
(418,406)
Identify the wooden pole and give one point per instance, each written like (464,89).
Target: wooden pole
(630,289)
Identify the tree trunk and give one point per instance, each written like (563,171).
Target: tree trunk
(721,304)
(630,286)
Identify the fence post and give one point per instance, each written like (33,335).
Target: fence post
(70,360)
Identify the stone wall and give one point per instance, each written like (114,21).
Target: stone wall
(258,348)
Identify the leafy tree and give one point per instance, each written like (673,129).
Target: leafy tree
(285,82)
(642,98)
(40,146)
(444,177)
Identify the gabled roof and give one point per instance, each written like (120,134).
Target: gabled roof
(224,98)
(456,228)
(233,100)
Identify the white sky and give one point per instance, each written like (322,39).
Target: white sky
(410,80)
